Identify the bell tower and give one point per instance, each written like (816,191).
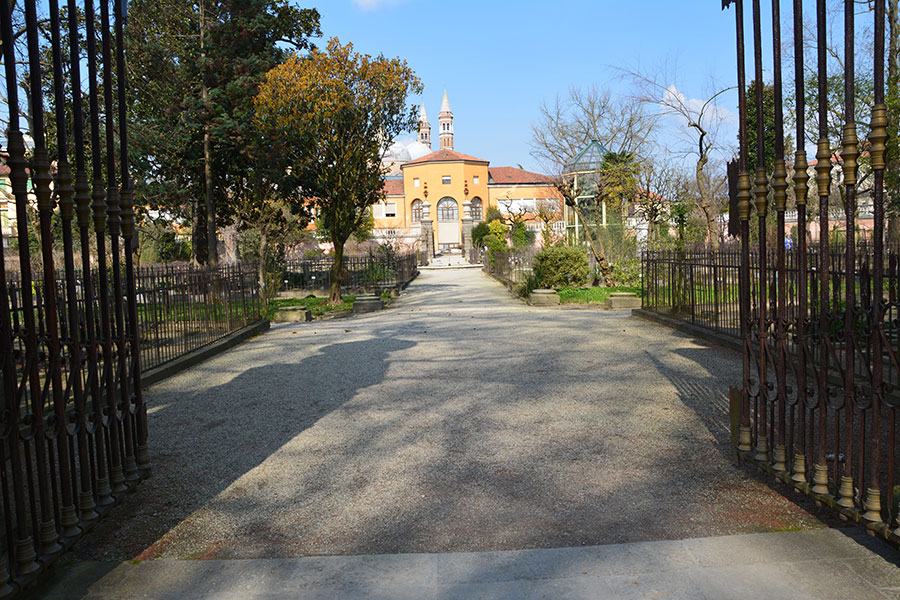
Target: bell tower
(445,122)
(424,128)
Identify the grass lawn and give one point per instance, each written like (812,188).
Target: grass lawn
(317,306)
(592,295)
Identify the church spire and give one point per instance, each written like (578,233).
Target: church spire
(445,121)
(424,128)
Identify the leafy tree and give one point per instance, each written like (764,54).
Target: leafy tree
(478,234)
(193,128)
(769,129)
(334,113)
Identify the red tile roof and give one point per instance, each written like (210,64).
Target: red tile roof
(512,175)
(445,156)
(393,187)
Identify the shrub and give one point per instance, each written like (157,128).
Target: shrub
(493,214)
(521,237)
(478,234)
(562,266)
(626,272)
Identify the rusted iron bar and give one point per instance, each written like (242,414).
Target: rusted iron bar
(779,186)
(801,190)
(103,441)
(877,138)
(849,153)
(21,548)
(823,181)
(761,193)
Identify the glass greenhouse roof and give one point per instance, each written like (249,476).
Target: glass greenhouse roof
(589,159)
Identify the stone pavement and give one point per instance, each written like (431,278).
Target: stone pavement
(457,421)
(844,564)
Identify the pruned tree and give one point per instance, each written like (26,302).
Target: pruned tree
(657,188)
(700,121)
(567,190)
(567,124)
(334,113)
(547,211)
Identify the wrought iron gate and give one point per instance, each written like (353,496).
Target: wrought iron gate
(73,422)
(817,406)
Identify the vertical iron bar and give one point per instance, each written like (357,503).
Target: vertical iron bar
(801,190)
(86,504)
(134,406)
(120,400)
(23,562)
(779,185)
(878,138)
(849,153)
(761,191)
(107,459)
(823,181)
(65,192)
(40,176)
(745,437)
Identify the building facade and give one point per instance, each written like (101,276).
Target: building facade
(445,186)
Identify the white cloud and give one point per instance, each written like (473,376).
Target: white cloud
(674,102)
(375,4)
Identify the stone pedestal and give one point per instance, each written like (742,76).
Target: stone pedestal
(365,304)
(428,238)
(544,298)
(292,314)
(467,236)
(623,301)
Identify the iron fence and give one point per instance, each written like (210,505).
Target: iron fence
(369,273)
(513,266)
(817,402)
(182,310)
(74,434)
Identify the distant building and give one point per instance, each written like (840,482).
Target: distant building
(444,181)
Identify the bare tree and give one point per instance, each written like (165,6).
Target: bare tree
(657,184)
(566,125)
(570,195)
(547,210)
(701,120)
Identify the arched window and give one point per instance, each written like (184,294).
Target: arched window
(417,211)
(448,210)
(477,209)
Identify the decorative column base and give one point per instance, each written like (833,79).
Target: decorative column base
(845,492)
(820,479)
(762,449)
(799,475)
(745,440)
(873,506)
(780,465)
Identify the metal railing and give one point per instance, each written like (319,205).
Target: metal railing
(74,435)
(817,401)
(513,266)
(368,273)
(181,310)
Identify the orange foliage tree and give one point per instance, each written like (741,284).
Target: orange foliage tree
(334,113)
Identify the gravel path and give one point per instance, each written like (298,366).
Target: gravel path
(457,420)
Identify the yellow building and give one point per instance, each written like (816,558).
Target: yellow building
(446,186)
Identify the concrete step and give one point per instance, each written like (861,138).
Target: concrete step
(823,563)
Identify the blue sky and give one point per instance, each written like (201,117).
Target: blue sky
(498,60)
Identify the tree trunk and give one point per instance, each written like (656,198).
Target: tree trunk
(337,272)
(602,263)
(199,247)
(261,267)
(211,237)
(705,204)
(232,250)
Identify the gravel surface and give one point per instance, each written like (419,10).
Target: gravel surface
(459,419)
